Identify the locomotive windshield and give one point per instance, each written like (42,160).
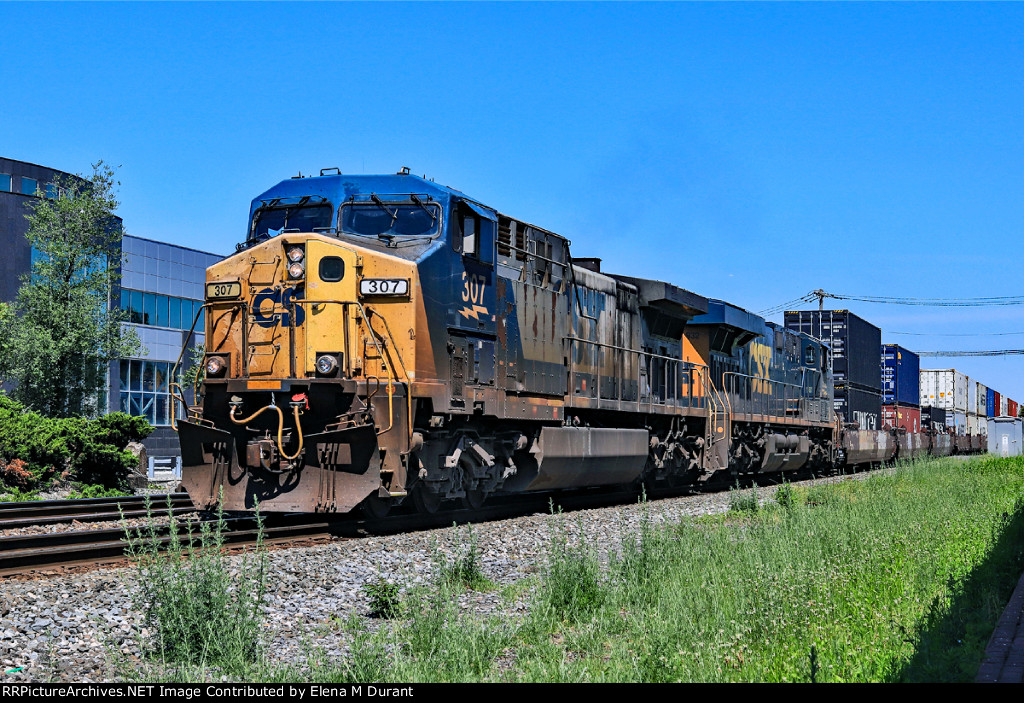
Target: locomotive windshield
(278,216)
(384,219)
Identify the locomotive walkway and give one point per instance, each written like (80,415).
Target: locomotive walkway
(1004,656)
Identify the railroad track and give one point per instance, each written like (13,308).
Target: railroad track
(46,512)
(23,554)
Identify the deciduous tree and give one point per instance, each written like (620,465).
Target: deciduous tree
(64,332)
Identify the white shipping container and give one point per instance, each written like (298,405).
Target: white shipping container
(972,395)
(982,400)
(974,424)
(1003,410)
(958,421)
(944,388)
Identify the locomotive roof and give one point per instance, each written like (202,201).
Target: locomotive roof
(337,188)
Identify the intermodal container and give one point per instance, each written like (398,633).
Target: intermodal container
(976,424)
(972,395)
(905,416)
(854,343)
(944,388)
(957,421)
(992,403)
(982,400)
(1003,411)
(861,406)
(1012,408)
(901,369)
(932,418)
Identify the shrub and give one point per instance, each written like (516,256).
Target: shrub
(88,451)
(384,598)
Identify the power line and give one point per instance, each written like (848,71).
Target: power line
(987,352)
(958,334)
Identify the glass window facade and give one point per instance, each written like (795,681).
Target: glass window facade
(5,182)
(146,390)
(28,186)
(162,310)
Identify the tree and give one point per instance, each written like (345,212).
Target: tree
(64,331)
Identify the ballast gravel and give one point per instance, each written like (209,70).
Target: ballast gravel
(82,627)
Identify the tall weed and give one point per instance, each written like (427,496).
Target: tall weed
(199,610)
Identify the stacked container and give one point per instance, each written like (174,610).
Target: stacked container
(857,376)
(932,418)
(947,389)
(1012,408)
(1003,409)
(992,403)
(901,390)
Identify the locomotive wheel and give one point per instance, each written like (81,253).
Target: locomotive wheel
(426,501)
(375,507)
(474,500)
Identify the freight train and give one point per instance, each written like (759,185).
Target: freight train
(383,339)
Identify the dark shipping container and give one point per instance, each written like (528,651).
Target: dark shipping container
(862,406)
(854,343)
(901,372)
(930,416)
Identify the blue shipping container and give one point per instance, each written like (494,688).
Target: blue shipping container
(901,370)
(990,403)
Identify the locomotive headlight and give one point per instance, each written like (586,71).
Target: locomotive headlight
(296,270)
(326,365)
(295,254)
(215,366)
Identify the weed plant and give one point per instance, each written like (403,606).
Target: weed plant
(462,572)
(200,611)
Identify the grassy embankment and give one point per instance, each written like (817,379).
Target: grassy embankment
(899,577)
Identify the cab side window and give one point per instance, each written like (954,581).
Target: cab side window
(474,235)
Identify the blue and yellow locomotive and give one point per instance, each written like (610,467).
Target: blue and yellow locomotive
(377,339)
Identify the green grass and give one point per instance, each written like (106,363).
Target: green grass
(900,576)
(897,577)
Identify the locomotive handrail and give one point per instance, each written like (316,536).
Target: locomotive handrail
(191,330)
(688,366)
(768,399)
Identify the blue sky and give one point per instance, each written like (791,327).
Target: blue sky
(750,152)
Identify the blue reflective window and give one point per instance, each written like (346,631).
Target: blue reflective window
(149,311)
(125,296)
(174,313)
(124,374)
(161,311)
(201,325)
(51,191)
(148,374)
(5,182)
(136,306)
(28,186)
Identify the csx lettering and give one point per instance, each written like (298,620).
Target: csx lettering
(473,288)
(274,315)
(760,358)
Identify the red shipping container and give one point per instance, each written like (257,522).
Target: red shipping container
(903,416)
(1012,407)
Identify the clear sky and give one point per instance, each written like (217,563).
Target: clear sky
(750,152)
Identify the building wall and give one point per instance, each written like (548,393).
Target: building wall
(162,289)
(14,206)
